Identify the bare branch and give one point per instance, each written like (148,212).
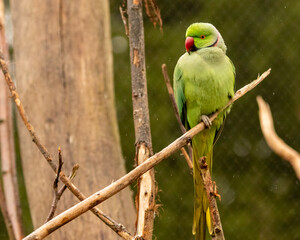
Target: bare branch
(187,158)
(22,113)
(146,184)
(124,181)
(56,195)
(124,19)
(275,142)
(71,176)
(211,194)
(36,140)
(153,12)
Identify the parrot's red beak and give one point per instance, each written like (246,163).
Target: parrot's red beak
(189,44)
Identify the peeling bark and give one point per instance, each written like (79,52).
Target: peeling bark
(145,198)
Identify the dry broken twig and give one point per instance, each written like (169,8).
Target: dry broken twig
(275,142)
(145,199)
(153,12)
(211,194)
(130,177)
(182,128)
(57,194)
(124,18)
(45,152)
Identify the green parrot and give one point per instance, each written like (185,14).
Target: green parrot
(204,81)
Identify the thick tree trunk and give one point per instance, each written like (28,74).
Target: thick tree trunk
(64,75)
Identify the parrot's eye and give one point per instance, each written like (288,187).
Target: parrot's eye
(202,36)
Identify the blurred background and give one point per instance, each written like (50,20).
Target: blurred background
(260,192)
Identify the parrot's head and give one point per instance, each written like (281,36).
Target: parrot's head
(203,35)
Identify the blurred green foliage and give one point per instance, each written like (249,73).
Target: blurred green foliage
(260,192)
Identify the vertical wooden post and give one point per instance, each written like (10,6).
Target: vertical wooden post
(146,184)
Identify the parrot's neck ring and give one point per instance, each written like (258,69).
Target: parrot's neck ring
(216,42)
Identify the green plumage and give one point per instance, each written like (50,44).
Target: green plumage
(203,83)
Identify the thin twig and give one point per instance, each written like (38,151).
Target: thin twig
(71,176)
(124,18)
(182,128)
(276,143)
(41,147)
(187,159)
(23,115)
(211,194)
(56,195)
(153,12)
(130,177)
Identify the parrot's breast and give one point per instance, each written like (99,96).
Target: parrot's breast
(208,81)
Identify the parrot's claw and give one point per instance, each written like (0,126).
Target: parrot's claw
(215,193)
(205,119)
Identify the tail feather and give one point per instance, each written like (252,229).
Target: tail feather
(201,211)
(201,233)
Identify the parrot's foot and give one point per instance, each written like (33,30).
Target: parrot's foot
(205,119)
(215,193)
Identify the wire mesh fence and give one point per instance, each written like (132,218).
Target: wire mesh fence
(260,192)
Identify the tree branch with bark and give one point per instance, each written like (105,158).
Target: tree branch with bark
(134,174)
(145,199)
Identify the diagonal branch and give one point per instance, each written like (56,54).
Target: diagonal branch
(43,149)
(129,178)
(275,142)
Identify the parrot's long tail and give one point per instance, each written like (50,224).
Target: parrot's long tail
(201,209)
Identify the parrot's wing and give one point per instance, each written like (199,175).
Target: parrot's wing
(178,85)
(220,129)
